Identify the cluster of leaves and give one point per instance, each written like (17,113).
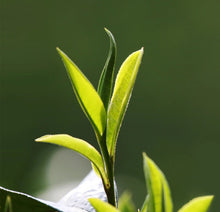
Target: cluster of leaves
(158,198)
(105,112)
(105,109)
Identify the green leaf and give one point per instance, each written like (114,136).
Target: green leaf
(79,146)
(87,96)
(199,204)
(8,204)
(106,79)
(121,94)
(125,203)
(144,206)
(101,206)
(154,185)
(16,202)
(158,188)
(167,200)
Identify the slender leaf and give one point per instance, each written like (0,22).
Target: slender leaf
(125,203)
(199,204)
(159,192)
(8,204)
(154,185)
(144,206)
(167,200)
(79,146)
(101,206)
(87,96)
(121,94)
(106,79)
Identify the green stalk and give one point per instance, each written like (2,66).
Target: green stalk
(109,166)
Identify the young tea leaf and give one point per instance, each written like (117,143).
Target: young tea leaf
(167,200)
(144,206)
(154,185)
(87,96)
(106,79)
(79,146)
(199,204)
(101,206)
(159,195)
(121,94)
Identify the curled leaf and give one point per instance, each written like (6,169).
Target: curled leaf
(106,79)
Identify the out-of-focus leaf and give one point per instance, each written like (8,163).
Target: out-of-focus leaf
(199,204)
(101,206)
(87,96)
(159,195)
(121,94)
(79,146)
(8,205)
(106,79)
(125,203)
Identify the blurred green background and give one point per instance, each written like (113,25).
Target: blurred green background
(174,111)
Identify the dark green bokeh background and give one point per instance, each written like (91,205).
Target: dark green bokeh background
(174,111)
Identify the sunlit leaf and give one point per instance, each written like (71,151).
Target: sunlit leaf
(144,206)
(121,94)
(167,200)
(87,96)
(101,206)
(79,146)
(125,203)
(154,185)
(159,195)
(106,79)
(199,204)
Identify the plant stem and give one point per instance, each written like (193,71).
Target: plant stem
(109,166)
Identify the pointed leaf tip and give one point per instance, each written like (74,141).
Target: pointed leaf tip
(101,206)
(107,75)
(80,146)
(43,138)
(157,186)
(86,94)
(198,204)
(120,98)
